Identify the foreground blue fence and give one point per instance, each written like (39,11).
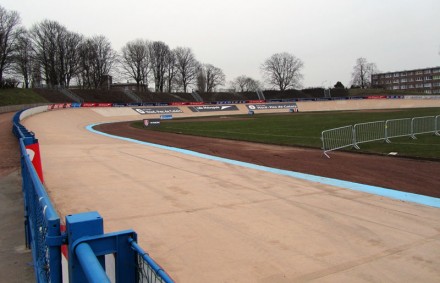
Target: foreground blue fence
(87,244)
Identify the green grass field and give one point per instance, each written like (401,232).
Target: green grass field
(17,96)
(304,129)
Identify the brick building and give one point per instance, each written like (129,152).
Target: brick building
(420,80)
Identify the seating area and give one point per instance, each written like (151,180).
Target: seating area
(158,97)
(292,93)
(118,96)
(225,96)
(185,96)
(110,96)
(52,95)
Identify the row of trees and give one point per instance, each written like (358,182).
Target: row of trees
(48,53)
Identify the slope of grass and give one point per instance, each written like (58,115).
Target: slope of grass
(16,96)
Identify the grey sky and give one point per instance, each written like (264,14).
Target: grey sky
(238,35)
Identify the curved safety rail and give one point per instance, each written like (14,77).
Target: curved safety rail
(86,242)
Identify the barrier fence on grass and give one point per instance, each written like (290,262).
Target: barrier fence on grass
(87,245)
(352,136)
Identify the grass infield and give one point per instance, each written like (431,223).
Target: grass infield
(304,129)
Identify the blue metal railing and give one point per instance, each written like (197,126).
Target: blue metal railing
(148,270)
(44,237)
(42,224)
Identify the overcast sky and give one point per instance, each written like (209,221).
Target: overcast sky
(238,35)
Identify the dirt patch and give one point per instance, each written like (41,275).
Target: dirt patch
(9,150)
(409,175)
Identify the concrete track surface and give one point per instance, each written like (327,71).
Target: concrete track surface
(208,221)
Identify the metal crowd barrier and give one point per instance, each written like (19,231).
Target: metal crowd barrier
(85,239)
(352,136)
(337,138)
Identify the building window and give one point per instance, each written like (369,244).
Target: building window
(403,74)
(410,80)
(403,80)
(436,91)
(427,85)
(436,77)
(436,84)
(419,79)
(396,81)
(436,71)
(419,72)
(396,75)
(396,87)
(428,78)
(419,85)
(427,91)
(427,72)
(410,86)
(403,87)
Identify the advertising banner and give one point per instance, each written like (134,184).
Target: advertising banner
(151,122)
(254,107)
(33,150)
(89,104)
(213,108)
(159,110)
(166,117)
(59,106)
(104,105)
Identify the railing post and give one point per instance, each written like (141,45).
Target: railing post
(437,125)
(77,226)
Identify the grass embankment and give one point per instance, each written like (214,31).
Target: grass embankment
(17,96)
(304,129)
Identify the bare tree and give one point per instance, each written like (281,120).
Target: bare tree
(159,53)
(56,51)
(283,70)
(187,67)
(71,57)
(24,58)
(214,77)
(244,83)
(135,61)
(201,80)
(170,75)
(97,60)
(362,72)
(10,31)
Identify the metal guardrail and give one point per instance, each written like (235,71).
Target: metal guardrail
(148,270)
(85,236)
(367,132)
(337,138)
(42,224)
(352,136)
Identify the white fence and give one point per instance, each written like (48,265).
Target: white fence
(352,136)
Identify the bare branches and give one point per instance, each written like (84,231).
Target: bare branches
(97,60)
(135,61)
(283,70)
(362,71)
(10,31)
(159,52)
(209,77)
(187,67)
(244,83)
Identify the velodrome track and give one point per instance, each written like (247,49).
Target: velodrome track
(209,221)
